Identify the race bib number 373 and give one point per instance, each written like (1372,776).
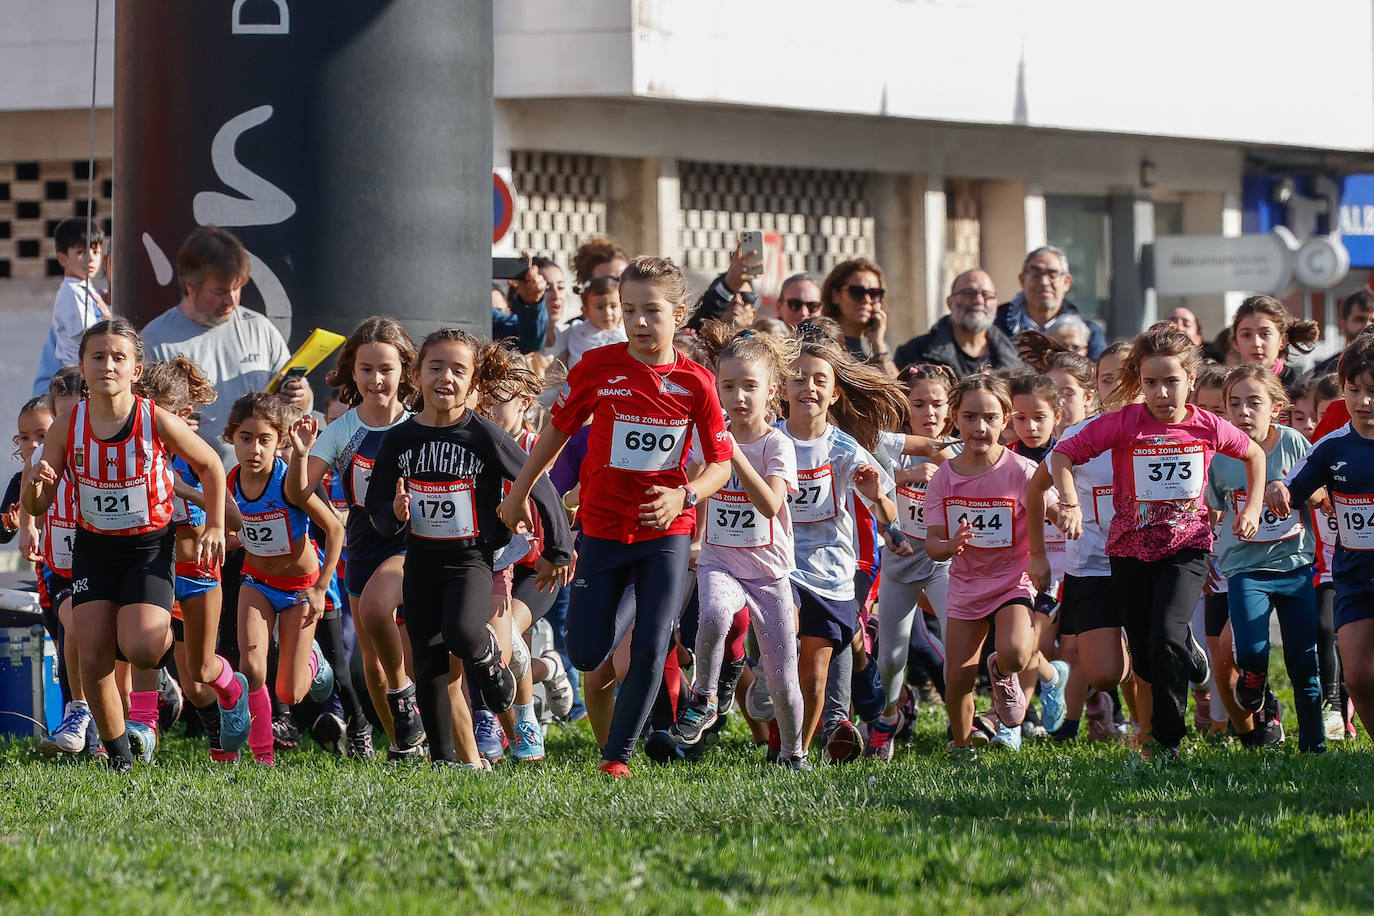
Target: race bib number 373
(1168,473)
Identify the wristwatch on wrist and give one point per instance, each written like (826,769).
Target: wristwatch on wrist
(690,500)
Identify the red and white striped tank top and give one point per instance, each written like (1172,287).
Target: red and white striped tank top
(122,487)
(59,528)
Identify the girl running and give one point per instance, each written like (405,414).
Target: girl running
(119,447)
(746,556)
(1160,532)
(374,377)
(1264,331)
(436,477)
(637,508)
(976,517)
(178,387)
(1272,568)
(285,581)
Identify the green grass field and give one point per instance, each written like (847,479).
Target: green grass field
(1056,828)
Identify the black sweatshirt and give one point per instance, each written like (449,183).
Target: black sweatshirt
(454,475)
(12,497)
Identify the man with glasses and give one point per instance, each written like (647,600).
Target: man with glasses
(1040,304)
(731,296)
(799,299)
(965,340)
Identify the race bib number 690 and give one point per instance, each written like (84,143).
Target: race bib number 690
(646,446)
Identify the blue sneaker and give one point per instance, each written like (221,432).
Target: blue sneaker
(1052,706)
(491,737)
(868,695)
(71,735)
(142,740)
(1008,736)
(323,683)
(529,741)
(234,722)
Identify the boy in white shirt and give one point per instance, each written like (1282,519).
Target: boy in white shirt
(78,304)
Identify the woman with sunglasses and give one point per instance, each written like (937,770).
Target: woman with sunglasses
(853,296)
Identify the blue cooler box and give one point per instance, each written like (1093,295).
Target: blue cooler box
(30,696)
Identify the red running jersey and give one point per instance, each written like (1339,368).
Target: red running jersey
(642,418)
(59,527)
(122,487)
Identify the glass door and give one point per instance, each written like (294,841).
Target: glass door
(1081,226)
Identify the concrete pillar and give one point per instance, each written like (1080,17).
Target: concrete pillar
(1231,215)
(909,213)
(644,210)
(1007,213)
(1133,227)
(1203,214)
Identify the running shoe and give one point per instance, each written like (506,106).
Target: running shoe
(868,695)
(798,763)
(70,735)
(492,678)
(481,766)
(329,730)
(661,748)
(405,716)
(1251,689)
(1033,730)
(844,743)
(1007,697)
(983,731)
(1052,706)
(1008,736)
(909,707)
(730,673)
(1200,668)
(709,739)
(1332,722)
(1202,710)
(758,702)
(529,741)
(693,718)
(360,738)
(1098,713)
(234,722)
(930,693)
(396,754)
(285,734)
(170,700)
(558,688)
(120,765)
(142,740)
(491,737)
(882,737)
(322,684)
(614,769)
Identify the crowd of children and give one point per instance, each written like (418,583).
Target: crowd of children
(736,519)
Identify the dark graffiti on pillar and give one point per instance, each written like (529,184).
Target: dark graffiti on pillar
(262,204)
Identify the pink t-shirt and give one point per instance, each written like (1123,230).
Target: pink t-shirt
(991,571)
(1159,476)
(738,539)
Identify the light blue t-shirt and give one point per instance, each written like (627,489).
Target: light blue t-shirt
(1280,545)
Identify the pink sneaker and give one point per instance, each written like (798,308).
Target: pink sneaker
(1007,697)
(1098,713)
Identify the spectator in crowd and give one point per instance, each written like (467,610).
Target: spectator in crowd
(78,304)
(1072,331)
(966,339)
(1041,303)
(773,326)
(555,298)
(597,266)
(853,296)
(1186,321)
(524,319)
(799,299)
(731,296)
(1357,310)
(238,349)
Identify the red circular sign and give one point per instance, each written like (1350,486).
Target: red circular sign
(503,202)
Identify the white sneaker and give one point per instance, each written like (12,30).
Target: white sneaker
(1334,723)
(558,690)
(70,735)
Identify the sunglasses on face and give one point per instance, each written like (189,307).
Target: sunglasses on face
(860,293)
(810,305)
(748,297)
(598,285)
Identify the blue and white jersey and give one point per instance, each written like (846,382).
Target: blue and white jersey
(910,501)
(1343,462)
(822,526)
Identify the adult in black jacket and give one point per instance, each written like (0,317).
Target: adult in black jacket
(965,340)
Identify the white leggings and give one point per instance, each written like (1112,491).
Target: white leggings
(720,596)
(897,619)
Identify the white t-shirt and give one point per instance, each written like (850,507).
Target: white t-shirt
(1087,556)
(586,336)
(78,306)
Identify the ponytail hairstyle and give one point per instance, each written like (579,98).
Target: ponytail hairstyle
(1261,374)
(378,330)
(176,385)
(1300,335)
(1040,387)
(1162,339)
(32,405)
(981,381)
(664,276)
(939,375)
(65,383)
(118,326)
(718,341)
(1043,353)
(274,408)
(868,401)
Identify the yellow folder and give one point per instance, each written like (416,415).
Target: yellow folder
(310,354)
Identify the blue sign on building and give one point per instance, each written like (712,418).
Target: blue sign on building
(1264,208)
(1356,221)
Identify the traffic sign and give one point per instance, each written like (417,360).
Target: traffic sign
(503,202)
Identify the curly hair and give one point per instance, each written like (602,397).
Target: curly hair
(718,341)
(374,330)
(273,408)
(176,385)
(594,252)
(1042,353)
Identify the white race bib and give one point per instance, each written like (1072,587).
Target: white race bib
(1103,509)
(1168,473)
(911,512)
(1326,529)
(1054,538)
(991,520)
(443,511)
(1355,520)
(1271,527)
(181,513)
(732,521)
(361,474)
(114,506)
(814,500)
(647,446)
(61,539)
(266,535)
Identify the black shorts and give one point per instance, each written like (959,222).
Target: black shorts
(57,586)
(124,568)
(523,588)
(825,618)
(1216,610)
(1090,603)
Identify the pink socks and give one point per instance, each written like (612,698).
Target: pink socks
(260,732)
(314,662)
(143,707)
(226,688)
